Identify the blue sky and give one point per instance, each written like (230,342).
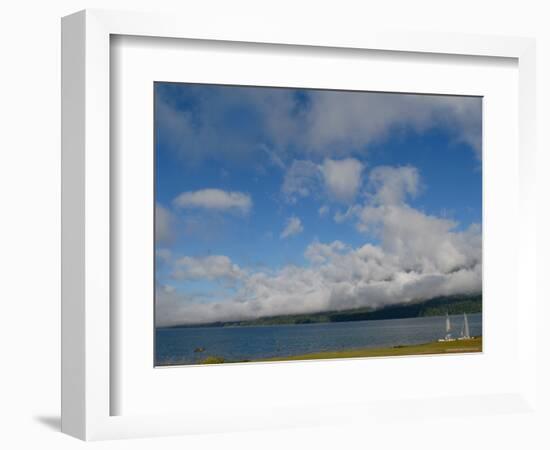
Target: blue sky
(264,195)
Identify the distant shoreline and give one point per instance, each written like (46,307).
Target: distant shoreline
(438,306)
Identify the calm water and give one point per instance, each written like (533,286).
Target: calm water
(177,345)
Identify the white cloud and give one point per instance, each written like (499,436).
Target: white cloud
(347,120)
(340,278)
(301,180)
(340,217)
(342,178)
(422,243)
(418,256)
(319,253)
(324,210)
(293,226)
(212,267)
(273,158)
(164,225)
(393,184)
(214,199)
(330,124)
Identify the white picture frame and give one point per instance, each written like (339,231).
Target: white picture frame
(87,328)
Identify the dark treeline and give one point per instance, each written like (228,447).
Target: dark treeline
(456,304)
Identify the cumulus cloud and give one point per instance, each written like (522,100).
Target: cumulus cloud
(302,179)
(347,120)
(303,124)
(393,184)
(212,267)
(342,178)
(340,278)
(293,226)
(418,256)
(319,253)
(214,199)
(422,242)
(197,123)
(324,210)
(339,178)
(164,225)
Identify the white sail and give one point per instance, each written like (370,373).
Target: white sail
(466,328)
(448,324)
(448,336)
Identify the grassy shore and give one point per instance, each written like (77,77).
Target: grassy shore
(431,348)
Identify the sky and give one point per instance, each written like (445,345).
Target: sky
(277,201)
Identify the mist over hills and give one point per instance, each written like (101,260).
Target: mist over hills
(437,306)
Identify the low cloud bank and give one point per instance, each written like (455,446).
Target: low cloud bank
(418,256)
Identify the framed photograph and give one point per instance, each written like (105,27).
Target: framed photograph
(297,224)
(260,225)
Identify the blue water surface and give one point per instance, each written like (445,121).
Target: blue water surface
(178,345)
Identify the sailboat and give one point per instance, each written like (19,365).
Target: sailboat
(465,334)
(448,336)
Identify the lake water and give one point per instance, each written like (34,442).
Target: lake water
(177,345)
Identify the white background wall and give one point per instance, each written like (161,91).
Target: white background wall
(30,188)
